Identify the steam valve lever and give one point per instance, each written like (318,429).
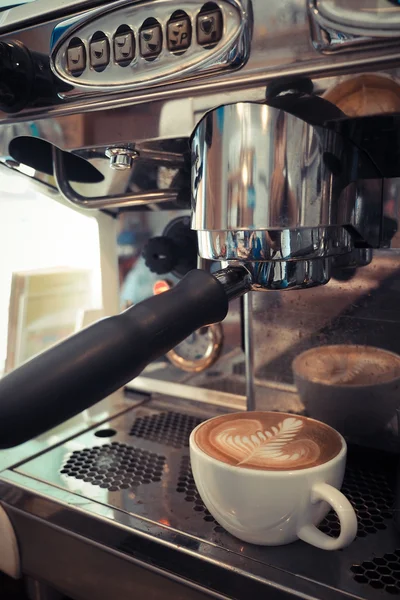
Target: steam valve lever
(85,368)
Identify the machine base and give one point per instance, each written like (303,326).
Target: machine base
(115,512)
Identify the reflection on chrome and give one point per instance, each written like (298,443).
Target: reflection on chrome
(259,167)
(280,196)
(283,244)
(289,275)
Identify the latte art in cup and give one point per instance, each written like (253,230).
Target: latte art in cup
(270,478)
(268,441)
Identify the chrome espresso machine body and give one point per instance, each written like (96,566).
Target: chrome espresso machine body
(274,128)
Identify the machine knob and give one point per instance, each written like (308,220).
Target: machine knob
(161,254)
(175,251)
(26,79)
(16,76)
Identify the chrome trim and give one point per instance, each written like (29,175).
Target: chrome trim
(186,391)
(236,280)
(280,196)
(289,275)
(384,23)
(111,201)
(359,257)
(286,244)
(40,11)
(258,167)
(249,350)
(231,51)
(333,36)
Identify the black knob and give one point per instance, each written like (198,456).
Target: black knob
(175,251)
(26,78)
(16,76)
(161,254)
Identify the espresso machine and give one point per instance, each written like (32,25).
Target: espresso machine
(272,131)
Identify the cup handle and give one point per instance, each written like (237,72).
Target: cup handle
(344,510)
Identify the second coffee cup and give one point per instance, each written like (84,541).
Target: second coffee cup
(355,389)
(270,478)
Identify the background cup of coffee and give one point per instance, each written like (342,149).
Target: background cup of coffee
(355,389)
(269,478)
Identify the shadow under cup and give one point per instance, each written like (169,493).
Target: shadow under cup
(354,389)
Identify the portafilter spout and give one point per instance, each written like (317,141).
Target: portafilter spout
(85,368)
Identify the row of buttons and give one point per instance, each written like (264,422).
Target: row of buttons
(209,27)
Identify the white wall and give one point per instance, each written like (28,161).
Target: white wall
(38,232)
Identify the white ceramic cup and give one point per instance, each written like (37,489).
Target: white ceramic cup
(270,507)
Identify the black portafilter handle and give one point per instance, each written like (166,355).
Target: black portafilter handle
(85,368)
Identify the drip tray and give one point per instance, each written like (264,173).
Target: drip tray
(138,465)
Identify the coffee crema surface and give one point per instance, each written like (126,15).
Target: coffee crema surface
(348,365)
(268,441)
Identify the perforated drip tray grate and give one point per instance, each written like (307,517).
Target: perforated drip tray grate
(371,494)
(381,573)
(169,428)
(114,466)
(143,469)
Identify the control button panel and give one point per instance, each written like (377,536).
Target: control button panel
(209,27)
(179,33)
(154,41)
(99,51)
(124,47)
(76,57)
(151,39)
